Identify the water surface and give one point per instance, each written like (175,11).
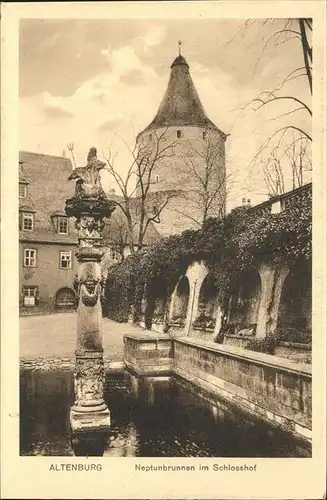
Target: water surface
(150,418)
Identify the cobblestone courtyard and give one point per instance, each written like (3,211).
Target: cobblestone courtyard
(54,336)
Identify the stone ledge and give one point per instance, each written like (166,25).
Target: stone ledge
(64,364)
(150,337)
(298,345)
(239,337)
(149,371)
(269,360)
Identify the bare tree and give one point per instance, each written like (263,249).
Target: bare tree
(288,144)
(286,162)
(135,186)
(205,169)
(300,162)
(292,129)
(273,174)
(117,233)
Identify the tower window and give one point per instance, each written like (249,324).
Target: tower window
(157,178)
(179,134)
(150,136)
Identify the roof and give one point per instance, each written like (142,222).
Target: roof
(26,208)
(181,105)
(47,191)
(47,236)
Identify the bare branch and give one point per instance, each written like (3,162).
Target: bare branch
(277,98)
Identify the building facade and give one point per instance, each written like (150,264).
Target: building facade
(187,157)
(47,238)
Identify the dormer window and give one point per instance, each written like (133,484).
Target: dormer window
(179,134)
(60,222)
(62,225)
(28,222)
(26,218)
(22,190)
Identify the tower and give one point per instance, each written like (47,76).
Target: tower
(190,169)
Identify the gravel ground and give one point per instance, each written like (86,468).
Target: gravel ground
(54,336)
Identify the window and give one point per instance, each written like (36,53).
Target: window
(179,134)
(157,178)
(29,257)
(115,255)
(22,190)
(30,295)
(65,260)
(150,137)
(62,225)
(204,135)
(28,222)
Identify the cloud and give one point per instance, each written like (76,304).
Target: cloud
(56,112)
(134,77)
(111,124)
(155,36)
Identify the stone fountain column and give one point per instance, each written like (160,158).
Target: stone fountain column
(89,206)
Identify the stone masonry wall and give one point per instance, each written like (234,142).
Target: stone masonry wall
(274,389)
(174,172)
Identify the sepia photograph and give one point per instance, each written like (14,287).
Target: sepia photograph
(164,198)
(165,258)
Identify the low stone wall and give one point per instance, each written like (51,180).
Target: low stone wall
(158,326)
(290,350)
(294,351)
(201,333)
(266,387)
(236,340)
(275,389)
(148,354)
(176,329)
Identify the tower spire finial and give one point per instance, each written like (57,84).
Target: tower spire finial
(179,47)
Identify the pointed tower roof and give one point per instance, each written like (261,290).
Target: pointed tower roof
(181,105)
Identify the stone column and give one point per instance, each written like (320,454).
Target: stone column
(89,206)
(192,306)
(272,280)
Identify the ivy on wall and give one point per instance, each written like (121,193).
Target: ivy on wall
(228,247)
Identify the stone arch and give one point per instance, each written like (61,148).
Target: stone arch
(207,304)
(180,302)
(65,298)
(295,306)
(245,301)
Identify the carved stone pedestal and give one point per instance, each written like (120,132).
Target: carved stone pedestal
(89,417)
(89,412)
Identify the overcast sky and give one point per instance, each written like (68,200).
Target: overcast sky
(100,82)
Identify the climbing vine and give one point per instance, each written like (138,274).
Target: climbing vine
(227,246)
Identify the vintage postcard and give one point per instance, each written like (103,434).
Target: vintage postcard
(163,250)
